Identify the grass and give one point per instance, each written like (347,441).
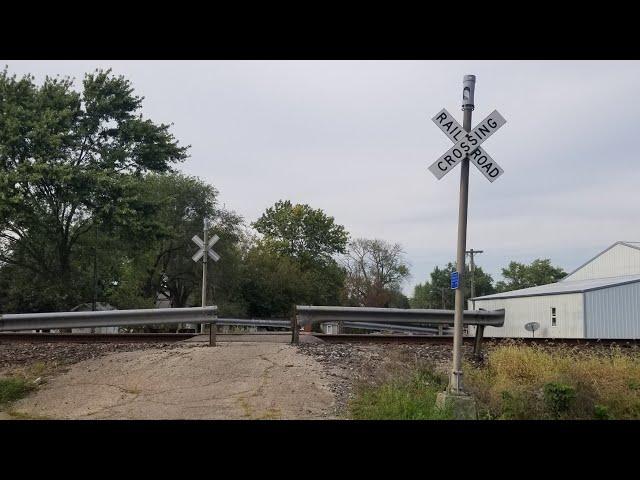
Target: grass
(408,397)
(26,416)
(534,382)
(13,388)
(519,382)
(270,414)
(20,383)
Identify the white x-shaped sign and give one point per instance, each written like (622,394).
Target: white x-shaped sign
(213,255)
(467,144)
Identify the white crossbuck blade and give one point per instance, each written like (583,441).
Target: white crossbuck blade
(467,144)
(213,255)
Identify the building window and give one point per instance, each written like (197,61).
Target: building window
(553,316)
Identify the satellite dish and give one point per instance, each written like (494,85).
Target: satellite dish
(532,327)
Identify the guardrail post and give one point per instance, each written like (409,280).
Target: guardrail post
(212,333)
(478,342)
(294,328)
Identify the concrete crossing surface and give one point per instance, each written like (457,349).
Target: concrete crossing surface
(234,380)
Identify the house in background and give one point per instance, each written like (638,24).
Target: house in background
(162,301)
(600,299)
(87,307)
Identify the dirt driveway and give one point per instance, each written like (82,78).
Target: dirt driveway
(231,381)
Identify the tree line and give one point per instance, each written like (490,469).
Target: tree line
(92,208)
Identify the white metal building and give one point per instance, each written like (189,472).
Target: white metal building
(600,299)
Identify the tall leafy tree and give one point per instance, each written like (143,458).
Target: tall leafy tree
(437,293)
(68,163)
(375,272)
(294,260)
(301,232)
(163,263)
(273,283)
(519,275)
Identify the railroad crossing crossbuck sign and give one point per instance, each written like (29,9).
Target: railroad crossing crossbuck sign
(467,144)
(213,255)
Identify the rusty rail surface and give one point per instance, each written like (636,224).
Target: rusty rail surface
(17,337)
(446,340)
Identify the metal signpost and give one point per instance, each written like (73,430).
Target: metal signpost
(466,148)
(206,245)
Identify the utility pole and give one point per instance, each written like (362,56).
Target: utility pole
(472,270)
(455,381)
(95,268)
(444,307)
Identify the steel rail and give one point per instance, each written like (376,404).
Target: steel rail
(30,337)
(254,322)
(392,327)
(447,340)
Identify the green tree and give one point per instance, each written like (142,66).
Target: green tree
(273,283)
(68,163)
(519,275)
(437,293)
(301,232)
(375,272)
(163,263)
(293,260)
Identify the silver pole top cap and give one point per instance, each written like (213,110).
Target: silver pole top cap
(468,89)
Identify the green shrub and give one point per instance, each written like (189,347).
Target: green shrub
(558,398)
(514,406)
(600,412)
(539,382)
(411,397)
(13,389)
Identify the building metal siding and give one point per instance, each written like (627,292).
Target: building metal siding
(522,310)
(618,261)
(613,312)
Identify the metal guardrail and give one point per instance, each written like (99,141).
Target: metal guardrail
(254,322)
(311,314)
(109,318)
(393,327)
(316,314)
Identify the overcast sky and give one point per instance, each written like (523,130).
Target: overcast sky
(355,138)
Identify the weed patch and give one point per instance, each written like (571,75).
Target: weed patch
(533,382)
(13,388)
(411,396)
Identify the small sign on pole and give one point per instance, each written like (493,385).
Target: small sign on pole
(454,280)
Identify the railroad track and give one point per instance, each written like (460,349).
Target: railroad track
(31,337)
(15,337)
(8,337)
(445,340)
